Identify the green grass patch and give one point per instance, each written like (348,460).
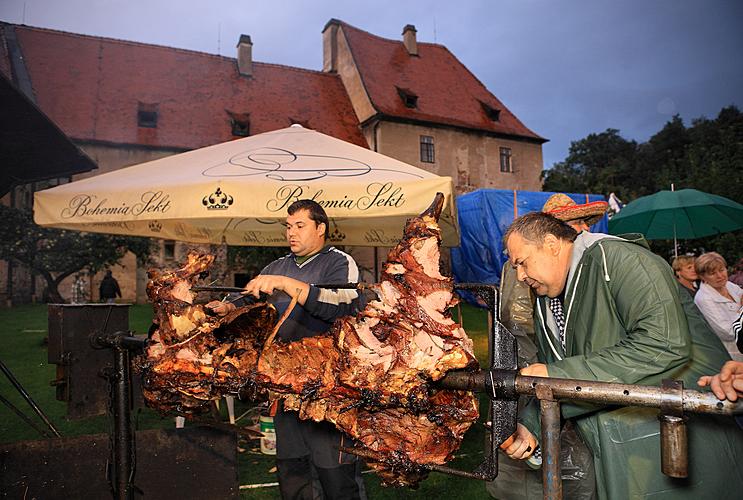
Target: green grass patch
(23,349)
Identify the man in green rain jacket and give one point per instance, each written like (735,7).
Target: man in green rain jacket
(620,318)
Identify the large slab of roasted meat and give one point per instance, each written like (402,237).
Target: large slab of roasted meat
(371,375)
(194,357)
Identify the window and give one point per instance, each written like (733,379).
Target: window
(427,152)
(240,128)
(492,113)
(147,115)
(169,249)
(505,160)
(408,98)
(239,123)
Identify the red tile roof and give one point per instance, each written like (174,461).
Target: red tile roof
(91,87)
(448,93)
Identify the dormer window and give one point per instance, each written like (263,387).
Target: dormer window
(147,115)
(240,124)
(408,98)
(492,113)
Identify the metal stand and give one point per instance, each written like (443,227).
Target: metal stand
(30,401)
(119,378)
(672,399)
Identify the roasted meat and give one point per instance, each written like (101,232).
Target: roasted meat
(371,375)
(193,356)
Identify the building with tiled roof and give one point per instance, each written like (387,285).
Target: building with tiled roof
(126,102)
(418,103)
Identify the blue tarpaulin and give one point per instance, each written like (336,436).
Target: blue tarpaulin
(484,216)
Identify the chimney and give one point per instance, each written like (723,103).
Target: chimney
(245,55)
(408,39)
(330,46)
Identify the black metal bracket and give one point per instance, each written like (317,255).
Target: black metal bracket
(502,352)
(119,379)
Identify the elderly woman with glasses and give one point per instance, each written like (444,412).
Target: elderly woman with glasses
(719,300)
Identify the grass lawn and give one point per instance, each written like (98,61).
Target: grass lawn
(23,350)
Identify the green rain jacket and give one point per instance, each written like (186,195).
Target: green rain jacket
(627,323)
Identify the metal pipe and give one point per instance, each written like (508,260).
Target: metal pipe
(123,437)
(379,457)
(674,451)
(590,391)
(28,398)
(629,395)
(550,444)
(24,417)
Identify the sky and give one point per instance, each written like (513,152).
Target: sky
(566,68)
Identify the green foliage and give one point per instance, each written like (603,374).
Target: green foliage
(56,253)
(707,156)
(251,260)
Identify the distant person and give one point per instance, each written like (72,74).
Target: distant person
(720,301)
(79,290)
(737,276)
(686,274)
(578,216)
(109,288)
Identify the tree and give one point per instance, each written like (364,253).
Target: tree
(55,253)
(707,156)
(251,260)
(599,163)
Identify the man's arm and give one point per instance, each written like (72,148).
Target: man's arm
(328,304)
(264,284)
(728,384)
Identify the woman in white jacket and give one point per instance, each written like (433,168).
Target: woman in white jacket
(719,300)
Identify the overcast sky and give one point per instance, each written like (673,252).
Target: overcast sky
(565,68)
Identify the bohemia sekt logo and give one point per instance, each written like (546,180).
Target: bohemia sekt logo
(218,200)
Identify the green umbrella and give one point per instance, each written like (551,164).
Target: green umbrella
(684,214)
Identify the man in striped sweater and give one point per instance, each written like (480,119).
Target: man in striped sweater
(307,449)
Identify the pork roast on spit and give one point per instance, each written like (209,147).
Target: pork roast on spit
(371,375)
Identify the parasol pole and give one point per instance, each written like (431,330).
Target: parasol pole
(675,244)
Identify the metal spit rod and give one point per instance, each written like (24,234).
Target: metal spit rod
(506,384)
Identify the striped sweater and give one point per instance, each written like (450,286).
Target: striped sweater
(322,306)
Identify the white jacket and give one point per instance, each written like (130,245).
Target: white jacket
(720,312)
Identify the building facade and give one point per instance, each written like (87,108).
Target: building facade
(125,103)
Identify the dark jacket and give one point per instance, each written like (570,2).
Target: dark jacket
(109,288)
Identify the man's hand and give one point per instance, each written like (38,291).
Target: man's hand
(728,384)
(268,283)
(221,308)
(521,444)
(535,370)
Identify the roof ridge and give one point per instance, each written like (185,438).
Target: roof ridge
(391,40)
(159,46)
(116,40)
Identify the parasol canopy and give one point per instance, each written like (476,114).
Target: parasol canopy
(685,214)
(238,192)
